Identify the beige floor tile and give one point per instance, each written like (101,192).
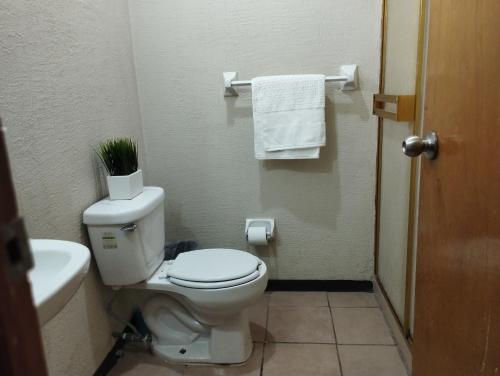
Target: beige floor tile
(371,361)
(300,324)
(298,299)
(141,363)
(257,314)
(361,326)
(250,368)
(299,359)
(352,299)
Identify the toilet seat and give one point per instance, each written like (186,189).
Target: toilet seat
(213,268)
(214,285)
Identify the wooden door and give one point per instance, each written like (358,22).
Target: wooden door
(457,318)
(21,351)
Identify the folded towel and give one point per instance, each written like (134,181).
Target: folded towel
(289,116)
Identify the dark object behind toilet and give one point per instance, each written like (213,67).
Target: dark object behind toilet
(173,249)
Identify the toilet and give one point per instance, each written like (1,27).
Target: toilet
(197,313)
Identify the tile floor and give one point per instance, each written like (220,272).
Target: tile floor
(300,333)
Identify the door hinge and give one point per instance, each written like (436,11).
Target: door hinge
(17,250)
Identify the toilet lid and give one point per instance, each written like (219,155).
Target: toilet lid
(213,265)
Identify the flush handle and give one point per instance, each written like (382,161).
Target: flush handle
(131,227)
(413,146)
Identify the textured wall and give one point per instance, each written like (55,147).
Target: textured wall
(66,82)
(400,73)
(200,145)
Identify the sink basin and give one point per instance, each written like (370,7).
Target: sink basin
(60,267)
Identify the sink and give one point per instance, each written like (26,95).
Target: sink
(60,267)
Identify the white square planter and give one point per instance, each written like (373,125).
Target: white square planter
(125,187)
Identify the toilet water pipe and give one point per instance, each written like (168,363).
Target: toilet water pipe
(109,311)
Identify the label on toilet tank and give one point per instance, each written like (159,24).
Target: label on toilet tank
(109,240)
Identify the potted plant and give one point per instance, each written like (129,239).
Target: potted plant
(119,157)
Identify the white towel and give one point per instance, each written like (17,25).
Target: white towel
(289,116)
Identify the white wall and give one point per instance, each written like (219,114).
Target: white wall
(66,82)
(400,75)
(200,145)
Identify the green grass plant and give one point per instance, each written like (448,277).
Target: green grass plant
(119,156)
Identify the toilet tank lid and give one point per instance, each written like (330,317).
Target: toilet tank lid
(115,212)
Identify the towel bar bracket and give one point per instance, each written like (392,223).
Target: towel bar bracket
(229,78)
(348,78)
(351,72)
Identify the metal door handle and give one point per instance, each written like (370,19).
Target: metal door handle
(413,146)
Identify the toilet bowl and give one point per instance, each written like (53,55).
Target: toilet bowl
(206,323)
(198,312)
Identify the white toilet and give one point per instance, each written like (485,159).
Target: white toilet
(198,315)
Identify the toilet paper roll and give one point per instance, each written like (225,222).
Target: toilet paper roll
(257,235)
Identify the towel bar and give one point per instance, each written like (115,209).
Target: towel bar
(348,77)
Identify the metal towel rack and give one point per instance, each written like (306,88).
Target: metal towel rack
(348,77)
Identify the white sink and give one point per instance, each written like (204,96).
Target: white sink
(60,267)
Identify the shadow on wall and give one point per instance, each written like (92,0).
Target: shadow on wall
(99,178)
(234,112)
(356,105)
(174,223)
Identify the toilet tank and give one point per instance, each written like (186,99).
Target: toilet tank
(127,236)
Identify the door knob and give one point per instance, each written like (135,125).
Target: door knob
(413,146)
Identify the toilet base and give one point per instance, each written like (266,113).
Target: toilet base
(177,339)
(197,352)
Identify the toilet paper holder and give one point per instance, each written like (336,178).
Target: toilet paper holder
(259,222)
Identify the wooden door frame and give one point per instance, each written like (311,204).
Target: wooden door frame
(20,338)
(414,171)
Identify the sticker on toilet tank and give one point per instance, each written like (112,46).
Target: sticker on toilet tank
(109,241)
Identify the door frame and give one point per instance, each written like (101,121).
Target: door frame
(414,171)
